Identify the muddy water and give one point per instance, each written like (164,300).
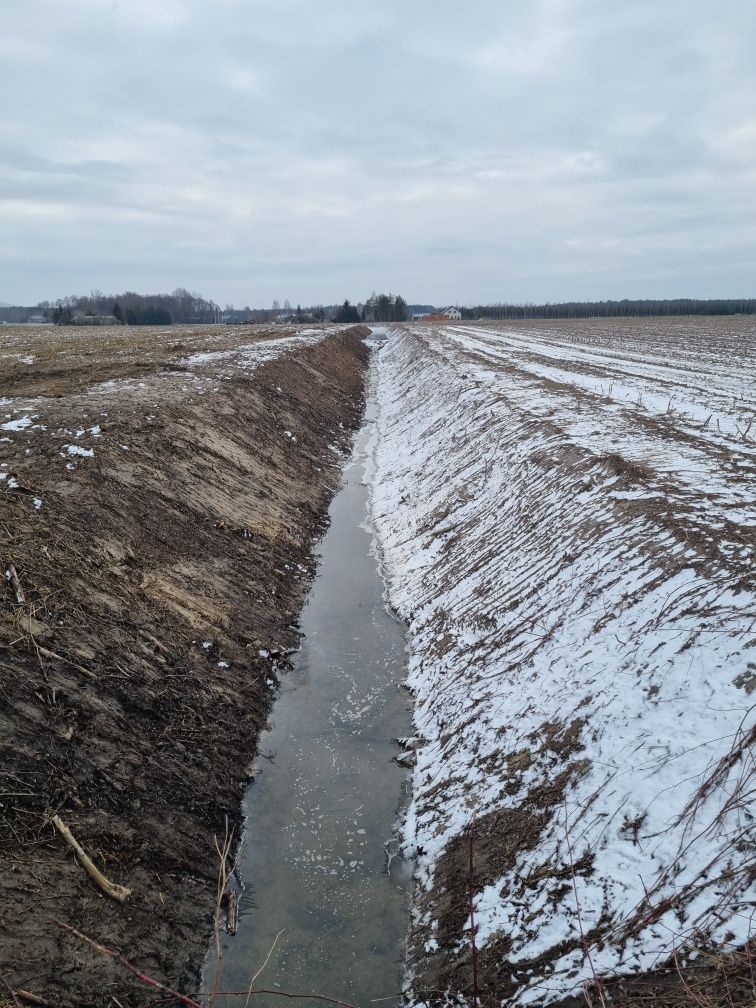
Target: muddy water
(324,801)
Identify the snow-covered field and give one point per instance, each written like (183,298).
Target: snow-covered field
(566,517)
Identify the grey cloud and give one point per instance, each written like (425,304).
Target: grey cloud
(538,149)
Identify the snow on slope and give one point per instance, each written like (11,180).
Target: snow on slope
(574,566)
(252,355)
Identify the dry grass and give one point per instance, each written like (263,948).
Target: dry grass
(697,977)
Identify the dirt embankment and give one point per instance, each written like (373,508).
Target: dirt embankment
(161,531)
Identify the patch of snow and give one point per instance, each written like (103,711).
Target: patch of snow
(18,425)
(251,355)
(78,450)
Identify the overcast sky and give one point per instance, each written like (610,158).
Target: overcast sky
(513,150)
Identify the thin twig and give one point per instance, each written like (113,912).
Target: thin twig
(584,943)
(220,890)
(117,957)
(10,990)
(265,963)
(285,994)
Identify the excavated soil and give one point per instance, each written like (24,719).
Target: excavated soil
(162,577)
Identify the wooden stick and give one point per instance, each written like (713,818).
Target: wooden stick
(154,641)
(116,892)
(34,999)
(18,591)
(232,913)
(42,652)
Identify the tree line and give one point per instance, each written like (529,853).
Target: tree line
(183,306)
(384,308)
(614,309)
(377,308)
(134,309)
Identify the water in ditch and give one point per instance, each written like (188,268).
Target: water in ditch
(323,805)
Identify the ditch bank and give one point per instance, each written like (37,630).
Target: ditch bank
(580,653)
(154,585)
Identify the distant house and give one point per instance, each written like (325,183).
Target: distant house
(95,320)
(451,314)
(36,320)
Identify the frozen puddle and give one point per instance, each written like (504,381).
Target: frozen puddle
(326,793)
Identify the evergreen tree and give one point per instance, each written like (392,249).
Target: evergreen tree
(384,308)
(62,314)
(347,313)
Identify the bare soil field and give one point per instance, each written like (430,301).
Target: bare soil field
(567,515)
(160,494)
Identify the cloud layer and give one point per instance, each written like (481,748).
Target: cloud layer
(317,149)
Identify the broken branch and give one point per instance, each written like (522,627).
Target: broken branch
(111,953)
(34,999)
(112,889)
(232,913)
(42,652)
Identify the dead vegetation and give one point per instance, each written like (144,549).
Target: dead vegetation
(702,977)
